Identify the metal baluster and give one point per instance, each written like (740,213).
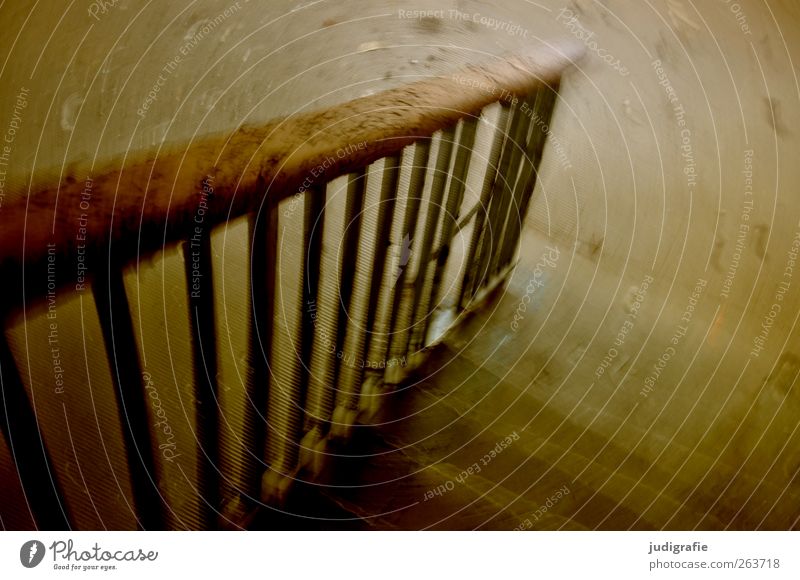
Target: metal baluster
(507,209)
(402,246)
(541,111)
(159,306)
(286,365)
(499,198)
(323,315)
(232,254)
(369,260)
(427,268)
(264,232)
(381,302)
(354,292)
(197,256)
(471,274)
(35,469)
(455,196)
(114,312)
(318,395)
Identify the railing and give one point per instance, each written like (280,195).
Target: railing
(185,332)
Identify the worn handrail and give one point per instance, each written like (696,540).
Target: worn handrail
(328,287)
(142,201)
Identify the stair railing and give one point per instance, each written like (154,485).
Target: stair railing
(185,332)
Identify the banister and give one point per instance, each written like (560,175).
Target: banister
(332,306)
(140,202)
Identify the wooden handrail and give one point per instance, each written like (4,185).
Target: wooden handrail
(142,201)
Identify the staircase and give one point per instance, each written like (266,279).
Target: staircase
(195,338)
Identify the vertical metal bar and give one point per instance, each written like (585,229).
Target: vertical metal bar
(508,208)
(380,309)
(231,256)
(383,294)
(426,271)
(354,204)
(314,202)
(18,423)
(404,293)
(287,370)
(159,306)
(264,235)
(204,346)
(455,196)
(471,275)
(354,292)
(311,389)
(369,268)
(313,232)
(458,268)
(114,313)
(75,406)
(322,306)
(541,114)
(499,197)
